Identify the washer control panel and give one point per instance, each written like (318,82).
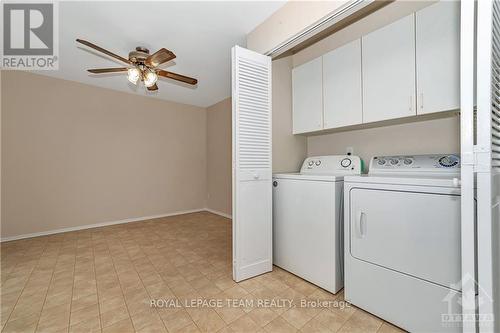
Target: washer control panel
(417,163)
(345,164)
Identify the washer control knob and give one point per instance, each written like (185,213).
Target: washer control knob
(311,163)
(381,162)
(407,161)
(318,162)
(345,162)
(448,161)
(394,161)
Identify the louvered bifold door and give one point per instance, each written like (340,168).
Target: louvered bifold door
(252,166)
(487,164)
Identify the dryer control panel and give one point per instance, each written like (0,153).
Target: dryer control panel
(332,164)
(437,163)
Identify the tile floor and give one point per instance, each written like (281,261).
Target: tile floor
(104,279)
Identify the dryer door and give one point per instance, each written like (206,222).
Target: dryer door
(413,233)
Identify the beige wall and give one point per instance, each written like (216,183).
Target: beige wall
(74,154)
(289,20)
(219,155)
(431,136)
(289,150)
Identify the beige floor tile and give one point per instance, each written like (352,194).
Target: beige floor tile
(123,326)
(314,326)
(244,324)
(114,315)
(332,319)
(146,318)
(108,304)
(296,316)
(21,325)
(54,318)
(235,292)
(58,299)
(279,325)
(229,313)
(154,328)
(224,282)
(111,274)
(84,314)
(26,308)
(83,302)
(208,320)
(262,316)
(174,322)
(249,285)
(191,328)
(361,322)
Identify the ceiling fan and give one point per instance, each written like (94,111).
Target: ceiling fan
(141,66)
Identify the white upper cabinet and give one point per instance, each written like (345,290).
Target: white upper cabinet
(307,94)
(438,57)
(389,71)
(342,90)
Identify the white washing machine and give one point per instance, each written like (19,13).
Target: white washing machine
(307,219)
(402,241)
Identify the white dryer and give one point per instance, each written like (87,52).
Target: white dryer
(402,241)
(307,219)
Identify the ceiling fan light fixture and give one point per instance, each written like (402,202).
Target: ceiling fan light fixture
(141,65)
(133,75)
(150,78)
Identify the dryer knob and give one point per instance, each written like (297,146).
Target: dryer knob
(345,162)
(407,161)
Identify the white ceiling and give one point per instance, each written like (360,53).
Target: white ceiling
(201,34)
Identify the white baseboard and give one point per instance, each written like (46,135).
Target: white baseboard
(216,212)
(103,224)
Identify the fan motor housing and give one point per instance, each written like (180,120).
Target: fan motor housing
(139,55)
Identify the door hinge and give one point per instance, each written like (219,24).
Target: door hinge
(481,159)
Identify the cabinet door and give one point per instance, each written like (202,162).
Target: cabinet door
(438,57)
(342,91)
(389,71)
(307,97)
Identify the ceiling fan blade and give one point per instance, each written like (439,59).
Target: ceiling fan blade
(159,57)
(153,87)
(178,77)
(100,49)
(107,70)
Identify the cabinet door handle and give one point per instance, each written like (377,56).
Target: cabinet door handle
(422,101)
(362,224)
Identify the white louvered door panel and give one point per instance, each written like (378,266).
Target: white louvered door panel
(487,164)
(252,164)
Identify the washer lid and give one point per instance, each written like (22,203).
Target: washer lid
(415,180)
(309,176)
